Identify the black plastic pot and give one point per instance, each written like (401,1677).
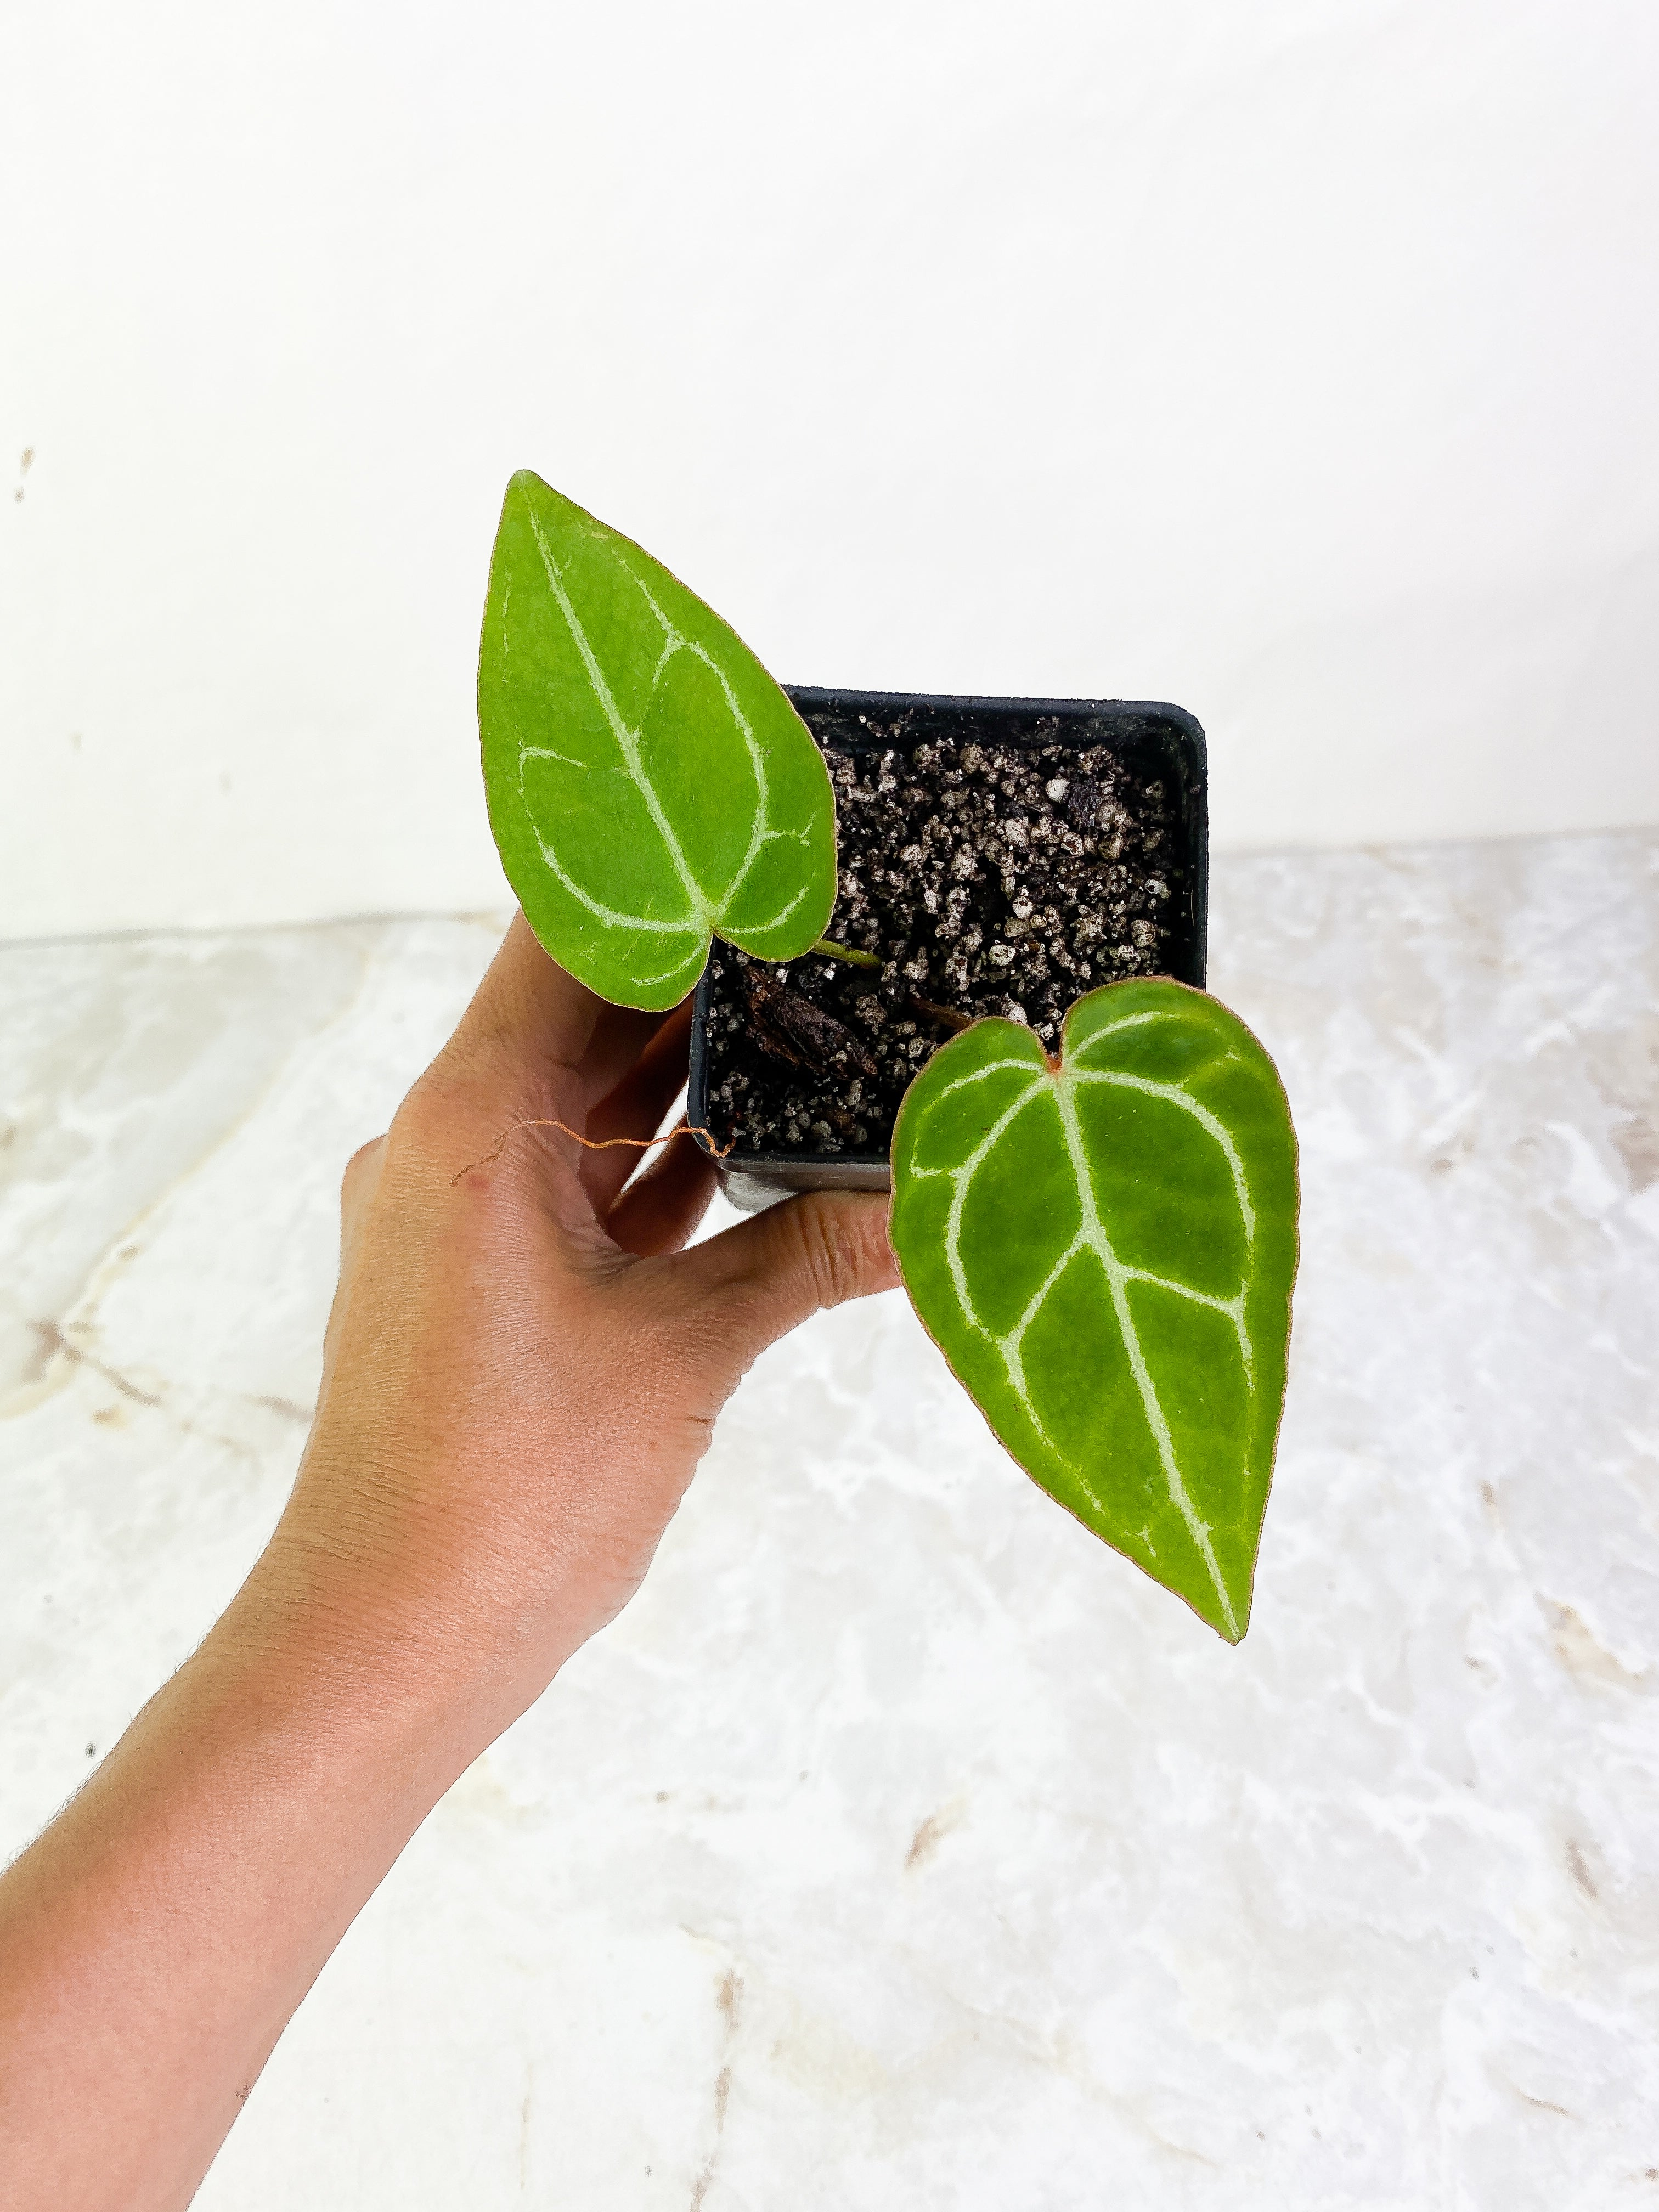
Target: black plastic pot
(1159,739)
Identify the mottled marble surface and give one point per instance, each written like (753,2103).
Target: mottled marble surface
(900,1847)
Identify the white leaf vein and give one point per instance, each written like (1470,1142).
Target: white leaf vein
(565,760)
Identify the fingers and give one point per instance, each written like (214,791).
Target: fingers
(664,1203)
(767,1275)
(529,1005)
(620,1035)
(531,1022)
(635,1108)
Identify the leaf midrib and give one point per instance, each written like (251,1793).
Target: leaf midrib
(1093,1231)
(702,915)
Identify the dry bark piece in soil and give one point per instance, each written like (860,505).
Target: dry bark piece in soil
(791,1026)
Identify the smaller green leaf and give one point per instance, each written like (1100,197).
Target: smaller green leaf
(649,785)
(1103,1245)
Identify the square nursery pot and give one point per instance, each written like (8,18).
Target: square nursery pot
(1134,834)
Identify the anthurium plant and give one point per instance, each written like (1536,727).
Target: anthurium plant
(1101,1239)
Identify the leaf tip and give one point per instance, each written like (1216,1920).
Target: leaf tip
(1232,1619)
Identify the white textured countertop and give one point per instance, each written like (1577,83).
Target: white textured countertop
(900,1846)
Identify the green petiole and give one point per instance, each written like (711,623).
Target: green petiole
(828,949)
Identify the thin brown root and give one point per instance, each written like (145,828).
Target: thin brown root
(590,1144)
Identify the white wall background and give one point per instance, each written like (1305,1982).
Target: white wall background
(1297,362)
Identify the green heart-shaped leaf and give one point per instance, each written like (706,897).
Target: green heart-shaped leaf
(649,785)
(1103,1247)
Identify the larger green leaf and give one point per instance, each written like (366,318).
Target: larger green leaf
(1104,1246)
(649,785)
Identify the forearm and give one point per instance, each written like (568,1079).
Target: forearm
(154,1942)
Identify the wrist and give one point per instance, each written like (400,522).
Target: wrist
(405,1660)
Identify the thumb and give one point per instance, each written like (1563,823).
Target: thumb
(760,1279)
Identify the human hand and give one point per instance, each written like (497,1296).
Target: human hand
(523,1366)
